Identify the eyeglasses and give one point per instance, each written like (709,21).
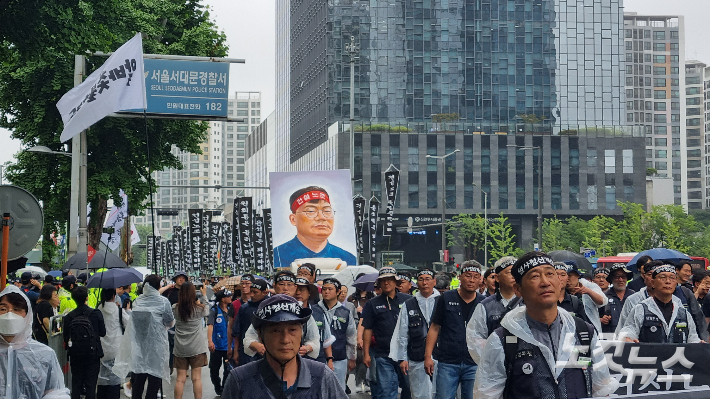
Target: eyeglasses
(619,277)
(328,213)
(665,278)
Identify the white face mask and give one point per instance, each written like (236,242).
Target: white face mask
(11,324)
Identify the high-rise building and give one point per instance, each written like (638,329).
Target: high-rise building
(482,77)
(695,132)
(706,136)
(260,160)
(222,163)
(655,99)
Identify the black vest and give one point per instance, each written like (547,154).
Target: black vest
(318,316)
(339,329)
(495,311)
(529,375)
(257,381)
(417,329)
(453,330)
(613,308)
(385,313)
(652,329)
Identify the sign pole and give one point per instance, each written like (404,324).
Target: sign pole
(5,248)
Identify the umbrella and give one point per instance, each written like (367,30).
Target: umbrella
(366,282)
(347,276)
(582,263)
(115,278)
(78,261)
(14,265)
(32,269)
(229,283)
(662,254)
(55,273)
(403,268)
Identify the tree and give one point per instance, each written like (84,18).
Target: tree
(553,231)
(443,118)
(466,231)
(501,240)
(37,69)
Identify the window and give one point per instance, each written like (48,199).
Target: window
(242,112)
(609,161)
(660,118)
(661,154)
(692,90)
(659,70)
(241,104)
(693,101)
(659,94)
(659,106)
(659,35)
(659,82)
(659,47)
(674,34)
(661,142)
(675,59)
(610,197)
(627,157)
(659,59)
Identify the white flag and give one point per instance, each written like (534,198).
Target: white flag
(116,219)
(119,84)
(135,238)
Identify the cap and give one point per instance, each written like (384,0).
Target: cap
(663,269)
(222,294)
(334,281)
(68,280)
(82,278)
(386,272)
(530,261)
(25,277)
(280,308)
(179,273)
(259,284)
(302,282)
(600,270)
(572,267)
(619,266)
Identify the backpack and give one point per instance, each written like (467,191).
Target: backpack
(82,337)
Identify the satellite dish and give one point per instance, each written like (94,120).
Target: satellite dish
(26,219)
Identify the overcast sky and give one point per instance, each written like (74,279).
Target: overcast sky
(250,30)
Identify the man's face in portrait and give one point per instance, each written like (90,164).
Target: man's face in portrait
(314,220)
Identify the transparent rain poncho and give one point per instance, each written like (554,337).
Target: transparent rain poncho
(144,347)
(29,369)
(111,342)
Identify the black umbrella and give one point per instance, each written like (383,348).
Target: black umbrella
(78,261)
(114,278)
(582,263)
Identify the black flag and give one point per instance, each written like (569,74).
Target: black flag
(269,241)
(359,205)
(259,245)
(195,216)
(150,254)
(391,185)
(373,213)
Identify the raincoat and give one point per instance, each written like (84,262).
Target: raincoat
(110,343)
(29,369)
(635,320)
(590,307)
(631,302)
(144,347)
(491,375)
(66,303)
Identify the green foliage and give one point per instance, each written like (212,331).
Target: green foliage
(651,171)
(501,240)
(37,69)
(468,232)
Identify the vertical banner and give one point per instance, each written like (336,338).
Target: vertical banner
(150,253)
(177,249)
(234,251)
(268,238)
(244,212)
(391,185)
(215,229)
(225,248)
(186,264)
(195,217)
(373,213)
(359,205)
(205,240)
(259,245)
(172,244)
(160,256)
(235,242)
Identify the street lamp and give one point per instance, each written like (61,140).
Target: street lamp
(539,190)
(443,196)
(46,150)
(485,226)
(352,49)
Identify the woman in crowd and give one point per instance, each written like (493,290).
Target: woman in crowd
(115,319)
(44,310)
(190,340)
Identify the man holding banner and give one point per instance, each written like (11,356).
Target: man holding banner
(532,354)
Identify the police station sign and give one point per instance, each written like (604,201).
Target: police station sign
(190,88)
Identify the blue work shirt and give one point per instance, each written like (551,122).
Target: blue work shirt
(289,251)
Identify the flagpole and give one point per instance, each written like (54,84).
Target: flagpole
(150,184)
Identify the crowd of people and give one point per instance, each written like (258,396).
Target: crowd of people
(294,335)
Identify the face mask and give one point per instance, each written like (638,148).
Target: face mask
(11,324)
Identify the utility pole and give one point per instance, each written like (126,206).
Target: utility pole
(77,208)
(485,224)
(540,200)
(443,195)
(352,49)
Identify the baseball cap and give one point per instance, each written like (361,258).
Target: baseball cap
(572,267)
(280,308)
(25,277)
(259,284)
(68,280)
(222,294)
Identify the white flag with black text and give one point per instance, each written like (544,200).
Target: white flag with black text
(117,85)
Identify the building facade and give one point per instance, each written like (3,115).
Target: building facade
(695,133)
(655,99)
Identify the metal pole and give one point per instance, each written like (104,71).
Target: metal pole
(5,248)
(76,160)
(540,198)
(352,50)
(443,207)
(485,228)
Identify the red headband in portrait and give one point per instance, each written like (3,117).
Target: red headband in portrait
(309,196)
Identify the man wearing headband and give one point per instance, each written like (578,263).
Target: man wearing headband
(590,294)
(689,300)
(404,284)
(487,316)
(409,337)
(285,283)
(661,319)
(282,373)
(617,293)
(540,350)
(600,278)
(447,333)
(638,283)
(342,327)
(314,218)
(304,292)
(307,271)
(242,322)
(379,318)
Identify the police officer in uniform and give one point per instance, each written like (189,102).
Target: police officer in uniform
(486,318)
(282,373)
(526,357)
(342,327)
(452,312)
(379,318)
(410,335)
(304,291)
(617,294)
(661,318)
(217,337)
